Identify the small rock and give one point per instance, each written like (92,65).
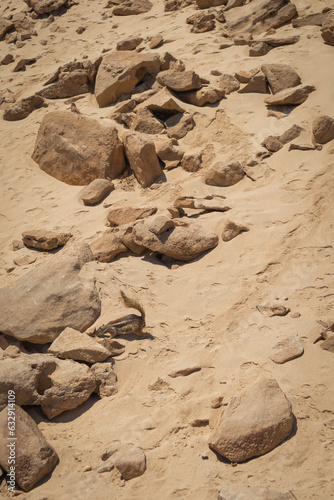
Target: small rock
(323,129)
(328,344)
(80,30)
(129,43)
(128,239)
(142,157)
(203,26)
(257,83)
(224,174)
(200,422)
(244,76)
(179,81)
(160,224)
(106,247)
(106,379)
(118,216)
(179,125)
(96,191)
(131,463)
(258,49)
(184,372)
(107,467)
(289,348)
(132,7)
(21,64)
(228,83)
(295,315)
(155,41)
(291,96)
(17,245)
(87,468)
(191,162)
(168,152)
(273,310)
(7,59)
(217,402)
(23,108)
(203,96)
(24,260)
(71,344)
(232,229)
(44,240)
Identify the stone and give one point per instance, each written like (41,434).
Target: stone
(257,84)
(162,102)
(156,41)
(286,349)
(68,85)
(272,143)
(323,129)
(191,162)
(132,8)
(76,149)
(217,402)
(129,242)
(186,242)
(275,143)
(255,421)
(106,379)
(246,492)
(203,27)
(280,76)
(203,96)
(118,74)
(224,174)
(245,76)
(179,125)
(23,108)
(21,64)
(168,61)
(146,123)
(44,240)
(114,347)
(45,6)
(39,305)
(232,229)
(96,191)
(228,83)
(200,17)
(129,43)
(231,4)
(141,155)
(131,463)
(184,372)
(275,41)
(302,147)
(118,216)
(327,28)
(258,49)
(168,152)
(34,456)
(210,203)
(88,68)
(5,26)
(107,467)
(179,81)
(273,310)
(206,4)
(291,96)
(328,344)
(24,260)
(7,59)
(106,247)
(160,224)
(72,344)
(309,20)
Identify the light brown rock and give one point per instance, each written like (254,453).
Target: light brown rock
(129,43)
(162,102)
(160,224)
(106,379)
(323,129)
(23,108)
(286,349)
(231,4)
(7,59)
(258,49)
(224,174)
(200,17)
(96,191)
(254,422)
(44,240)
(21,64)
(184,372)
(68,85)
(125,215)
(192,162)
(291,96)
(168,152)
(328,344)
(129,241)
(205,95)
(34,456)
(72,344)
(179,125)
(203,27)
(168,61)
(131,463)
(146,123)
(143,160)
(155,41)
(327,28)
(273,310)
(228,83)
(280,76)
(45,6)
(244,76)
(179,81)
(132,7)
(315,19)
(246,492)
(206,4)
(106,247)
(275,143)
(24,260)
(5,26)
(232,229)
(276,41)
(257,84)
(210,203)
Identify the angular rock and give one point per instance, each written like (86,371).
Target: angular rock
(118,74)
(76,150)
(129,43)
(34,456)
(132,8)
(273,310)
(275,143)
(129,242)
(168,152)
(327,29)
(278,41)
(310,20)
(258,49)
(210,203)
(231,4)
(246,492)
(179,81)
(289,348)
(191,162)
(184,372)
(272,143)
(224,174)
(107,246)
(142,157)
(160,224)
(68,85)
(106,379)
(206,4)
(45,6)
(228,83)
(23,108)
(179,125)
(280,76)
(96,191)
(118,216)
(254,422)
(45,240)
(7,59)
(71,344)
(155,41)
(200,17)
(146,123)
(203,27)
(323,129)
(203,96)
(21,64)
(167,61)
(257,83)
(232,229)
(50,297)
(5,26)
(162,102)
(291,96)
(328,344)
(131,463)
(245,76)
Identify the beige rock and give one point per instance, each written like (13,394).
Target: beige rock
(131,463)
(72,344)
(76,149)
(160,224)
(256,84)
(155,41)
(323,129)
(273,310)
(243,39)
(129,242)
(23,108)
(246,492)
(68,85)
(291,96)
(275,143)
(106,379)
(5,26)
(129,43)
(45,6)
(275,41)
(327,28)
(179,81)
(125,215)
(254,422)
(258,49)
(146,123)
(203,96)
(309,20)
(200,17)
(30,447)
(179,125)
(228,83)
(280,76)
(107,467)
(96,191)
(24,260)
(168,152)
(162,102)
(232,229)
(132,7)
(231,4)
(191,162)
(272,143)
(217,402)
(210,203)
(205,4)
(203,27)
(289,348)
(142,157)
(244,76)
(184,372)
(168,61)
(21,64)
(224,174)
(45,240)
(106,247)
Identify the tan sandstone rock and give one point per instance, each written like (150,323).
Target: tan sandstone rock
(179,81)
(45,6)
(131,463)
(106,247)
(280,76)
(45,240)
(232,229)
(96,191)
(106,379)
(125,215)
(129,43)
(291,96)
(323,129)
(72,344)
(132,7)
(286,349)
(23,108)
(224,174)
(228,84)
(140,152)
(205,95)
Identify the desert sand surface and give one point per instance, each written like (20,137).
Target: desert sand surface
(200,313)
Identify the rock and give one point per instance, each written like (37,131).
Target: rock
(303,147)
(245,76)
(280,76)
(328,344)
(258,49)
(289,348)
(129,242)
(118,216)
(272,143)
(5,26)
(7,59)
(179,81)
(142,158)
(200,17)
(71,344)
(131,463)
(68,85)
(246,492)
(203,27)
(179,125)
(129,43)
(257,83)
(228,83)
(206,4)
(119,73)
(45,6)
(88,68)
(106,379)
(186,242)
(162,102)
(210,203)
(23,108)
(275,143)
(132,7)
(160,224)
(273,310)
(191,162)
(231,4)
(217,402)
(107,467)
(21,64)
(76,149)
(45,240)
(327,29)
(114,347)
(310,20)
(24,260)
(167,61)
(224,174)
(96,191)
(232,229)
(107,246)
(50,297)
(184,372)
(254,422)
(155,41)
(275,41)
(33,455)
(291,96)
(146,123)
(203,96)
(323,129)
(168,152)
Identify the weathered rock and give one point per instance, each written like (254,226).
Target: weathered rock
(291,96)
(118,216)
(310,20)
(147,123)
(224,174)
(186,242)
(96,191)
(280,76)
(129,43)
(246,492)
(191,162)
(327,29)
(118,74)
(129,242)
(228,83)
(85,67)
(258,49)
(245,76)
(131,463)
(21,64)
(206,4)
(24,260)
(50,297)
(203,27)
(203,96)
(243,39)
(5,26)
(71,344)
(115,348)
(106,379)
(275,41)
(44,240)
(289,348)
(23,108)
(184,372)
(155,41)
(68,85)
(34,456)
(168,61)
(254,422)
(142,157)
(210,203)
(232,229)
(179,125)
(107,246)
(275,143)
(45,6)
(257,83)
(76,149)
(179,81)
(162,102)
(272,143)
(328,344)
(273,310)
(323,129)
(200,17)
(160,224)
(168,152)
(231,4)
(7,59)
(132,7)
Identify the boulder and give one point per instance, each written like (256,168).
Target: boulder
(147,123)
(179,81)
(44,240)
(162,102)
(39,305)
(5,26)
(72,344)
(76,149)
(68,85)
(96,191)
(34,456)
(258,49)
(327,29)
(131,463)
(257,84)
(323,129)
(129,43)
(23,108)
(132,7)
(142,157)
(45,6)
(105,378)
(224,174)
(205,95)
(118,216)
(179,125)
(246,492)
(291,96)
(120,72)
(254,422)
(107,246)
(232,229)
(286,349)
(280,76)
(228,83)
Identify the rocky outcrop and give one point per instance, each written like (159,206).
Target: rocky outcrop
(23,108)
(280,76)
(44,240)
(140,152)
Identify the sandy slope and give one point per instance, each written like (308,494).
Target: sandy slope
(203,312)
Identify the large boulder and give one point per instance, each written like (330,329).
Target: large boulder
(33,455)
(132,7)
(76,149)
(323,129)
(291,96)
(140,152)
(45,6)
(120,72)
(280,76)
(254,422)
(50,297)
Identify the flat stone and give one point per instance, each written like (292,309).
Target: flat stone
(291,96)
(129,43)
(96,191)
(224,174)
(286,349)
(72,344)
(232,229)
(184,372)
(179,81)
(125,215)
(210,203)
(162,102)
(179,125)
(45,240)
(160,224)
(256,84)
(24,260)
(132,8)
(273,310)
